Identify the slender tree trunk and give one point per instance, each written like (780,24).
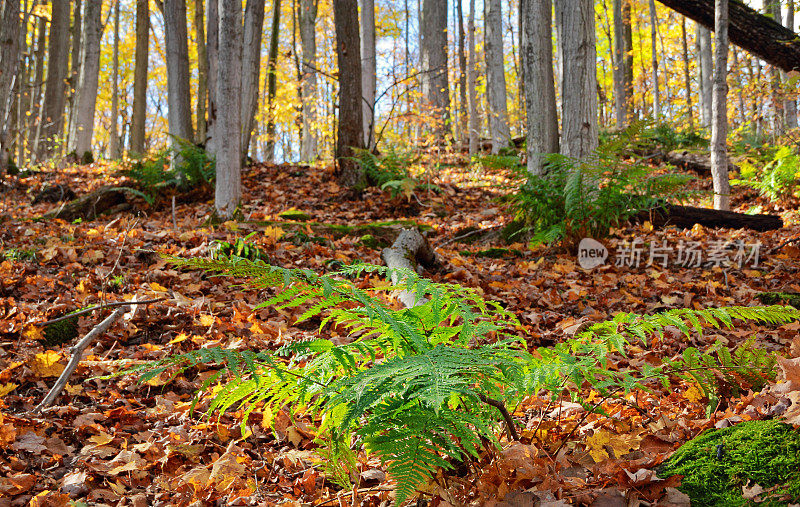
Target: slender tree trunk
(463,116)
(202,70)
(73,80)
(113,145)
(140,76)
(435,81)
(38,80)
(705,71)
(719,126)
(86,100)
(350,131)
(212,50)
(272,79)
(623,68)
(368,70)
(179,114)
(773,10)
(9,61)
(472,82)
(536,50)
(228,129)
(55,88)
(495,75)
(790,106)
(687,81)
(575,21)
(251,66)
(654,59)
(308,44)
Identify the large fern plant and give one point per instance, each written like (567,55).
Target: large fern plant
(424,387)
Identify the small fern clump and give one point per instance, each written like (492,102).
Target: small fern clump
(421,388)
(778,179)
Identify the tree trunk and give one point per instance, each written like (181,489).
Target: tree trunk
(687,217)
(251,65)
(463,117)
(719,125)
(9,60)
(790,106)
(654,58)
(536,50)
(409,251)
(228,128)
(350,131)
(368,71)
(704,69)
(773,9)
(113,145)
(433,48)
(576,37)
(140,76)
(308,45)
(759,35)
(495,75)
(179,114)
(472,82)
(38,80)
(272,79)
(202,71)
(74,71)
(623,68)
(686,74)
(55,87)
(212,53)
(86,100)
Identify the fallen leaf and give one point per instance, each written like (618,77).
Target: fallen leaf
(45,364)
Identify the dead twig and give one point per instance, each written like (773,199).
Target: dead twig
(99,307)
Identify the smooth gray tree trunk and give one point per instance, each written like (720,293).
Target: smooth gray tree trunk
(472,82)
(536,50)
(435,81)
(463,116)
(790,106)
(9,61)
(202,72)
(687,80)
(495,75)
(55,92)
(773,10)
(86,99)
(621,89)
(654,58)
(36,95)
(308,44)
(368,71)
(139,115)
(272,78)
(74,78)
(212,53)
(719,121)
(575,22)
(179,105)
(251,65)
(229,101)
(114,145)
(705,67)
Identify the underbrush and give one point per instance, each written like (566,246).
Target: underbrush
(778,179)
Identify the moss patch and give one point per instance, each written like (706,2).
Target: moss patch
(296,215)
(777,298)
(718,463)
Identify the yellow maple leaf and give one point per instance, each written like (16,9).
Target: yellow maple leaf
(158,287)
(7,388)
(273,234)
(206,320)
(178,338)
(596,445)
(694,394)
(33,333)
(46,364)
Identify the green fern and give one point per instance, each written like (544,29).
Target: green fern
(411,386)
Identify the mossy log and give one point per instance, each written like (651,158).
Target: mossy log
(384,233)
(409,251)
(699,163)
(780,298)
(91,205)
(688,216)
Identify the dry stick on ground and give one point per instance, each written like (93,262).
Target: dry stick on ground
(76,352)
(99,307)
(410,249)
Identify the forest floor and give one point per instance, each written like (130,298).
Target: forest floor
(119,442)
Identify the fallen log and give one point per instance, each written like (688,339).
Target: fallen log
(384,232)
(90,205)
(409,251)
(699,163)
(688,216)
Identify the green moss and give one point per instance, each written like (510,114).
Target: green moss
(378,229)
(777,298)
(296,215)
(369,241)
(716,464)
(63,331)
(493,253)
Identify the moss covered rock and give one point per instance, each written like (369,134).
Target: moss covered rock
(296,215)
(717,464)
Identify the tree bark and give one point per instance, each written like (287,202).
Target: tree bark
(576,38)
(179,114)
(790,106)
(687,81)
(36,95)
(704,69)
(435,81)
(272,79)
(74,78)
(409,251)
(55,87)
(228,128)
(113,145)
(687,217)
(495,75)
(623,65)
(9,61)
(251,65)
(463,116)
(140,76)
(773,9)
(536,50)
(368,71)
(757,34)
(212,54)
(86,100)
(654,58)
(719,120)
(202,71)
(308,45)
(350,131)
(472,82)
